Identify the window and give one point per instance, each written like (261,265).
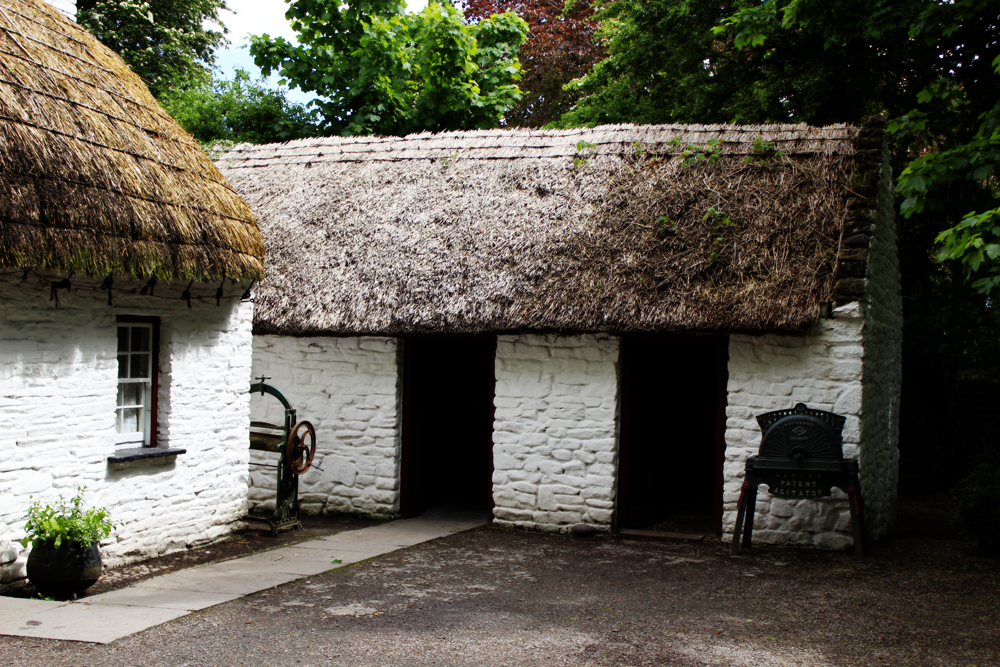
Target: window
(138,353)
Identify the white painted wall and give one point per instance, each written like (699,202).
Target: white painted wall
(554,431)
(58,389)
(821,369)
(348,389)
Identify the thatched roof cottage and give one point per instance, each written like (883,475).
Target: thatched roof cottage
(124,337)
(579,325)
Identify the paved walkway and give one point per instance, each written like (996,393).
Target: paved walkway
(110,616)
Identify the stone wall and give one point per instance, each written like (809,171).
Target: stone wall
(348,389)
(821,369)
(554,431)
(881,363)
(58,389)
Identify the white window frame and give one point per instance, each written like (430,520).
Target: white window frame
(142,437)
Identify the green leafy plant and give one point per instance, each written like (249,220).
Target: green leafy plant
(68,521)
(719,223)
(693,153)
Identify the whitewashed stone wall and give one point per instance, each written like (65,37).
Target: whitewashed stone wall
(348,388)
(821,369)
(554,431)
(58,389)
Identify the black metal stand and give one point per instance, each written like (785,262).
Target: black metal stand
(848,482)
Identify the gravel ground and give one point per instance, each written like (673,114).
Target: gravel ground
(497,597)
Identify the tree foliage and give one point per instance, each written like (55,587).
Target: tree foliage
(928,66)
(562,45)
(379,69)
(163,41)
(239,110)
(945,60)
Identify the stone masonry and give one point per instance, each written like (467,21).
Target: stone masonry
(348,389)
(821,369)
(882,362)
(554,431)
(58,389)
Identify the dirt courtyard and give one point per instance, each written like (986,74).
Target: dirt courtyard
(498,597)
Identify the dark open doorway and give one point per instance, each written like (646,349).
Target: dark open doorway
(447,448)
(672,432)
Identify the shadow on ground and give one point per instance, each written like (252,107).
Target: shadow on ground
(497,597)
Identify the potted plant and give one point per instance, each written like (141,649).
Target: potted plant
(65,558)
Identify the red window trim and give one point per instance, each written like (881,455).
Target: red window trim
(155,370)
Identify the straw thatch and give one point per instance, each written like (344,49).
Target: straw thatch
(99,179)
(592,230)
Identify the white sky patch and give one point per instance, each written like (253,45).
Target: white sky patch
(257,17)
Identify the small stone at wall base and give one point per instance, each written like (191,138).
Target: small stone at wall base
(583,530)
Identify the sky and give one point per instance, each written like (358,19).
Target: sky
(256,17)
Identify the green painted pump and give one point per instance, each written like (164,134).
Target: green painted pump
(295,444)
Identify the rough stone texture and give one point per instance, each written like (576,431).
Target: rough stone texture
(348,389)
(821,369)
(58,389)
(881,364)
(554,431)
(850,365)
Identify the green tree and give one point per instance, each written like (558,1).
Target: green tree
(239,110)
(379,69)
(947,117)
(163,41)
(561,46)
(927,65)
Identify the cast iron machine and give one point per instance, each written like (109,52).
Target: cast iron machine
(801,456)
(295,444)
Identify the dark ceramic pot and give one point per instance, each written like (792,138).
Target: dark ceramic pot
(66,571)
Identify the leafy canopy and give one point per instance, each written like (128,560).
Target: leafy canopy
(165,42)
(379,69)
(946,61)
(561,46)
(67,522)
(239,110)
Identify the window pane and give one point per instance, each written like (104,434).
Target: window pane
(140,366)
(140,339)
(131,394)
(123,365)
(123,339)
(128,420)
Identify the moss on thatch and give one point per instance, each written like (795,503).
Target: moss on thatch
(100,180)
(611,229)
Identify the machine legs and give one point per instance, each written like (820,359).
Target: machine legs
(747,505)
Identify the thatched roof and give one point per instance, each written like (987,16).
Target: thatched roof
(589,230)
(98,179)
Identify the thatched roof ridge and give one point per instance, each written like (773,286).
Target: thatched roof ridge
(101,180)
(613,228)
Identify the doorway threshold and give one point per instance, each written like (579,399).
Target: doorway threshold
(660,535)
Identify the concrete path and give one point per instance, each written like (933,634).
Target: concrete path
(104,618)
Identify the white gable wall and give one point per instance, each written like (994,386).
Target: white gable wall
(821,369)
(58,389)
(348,389)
